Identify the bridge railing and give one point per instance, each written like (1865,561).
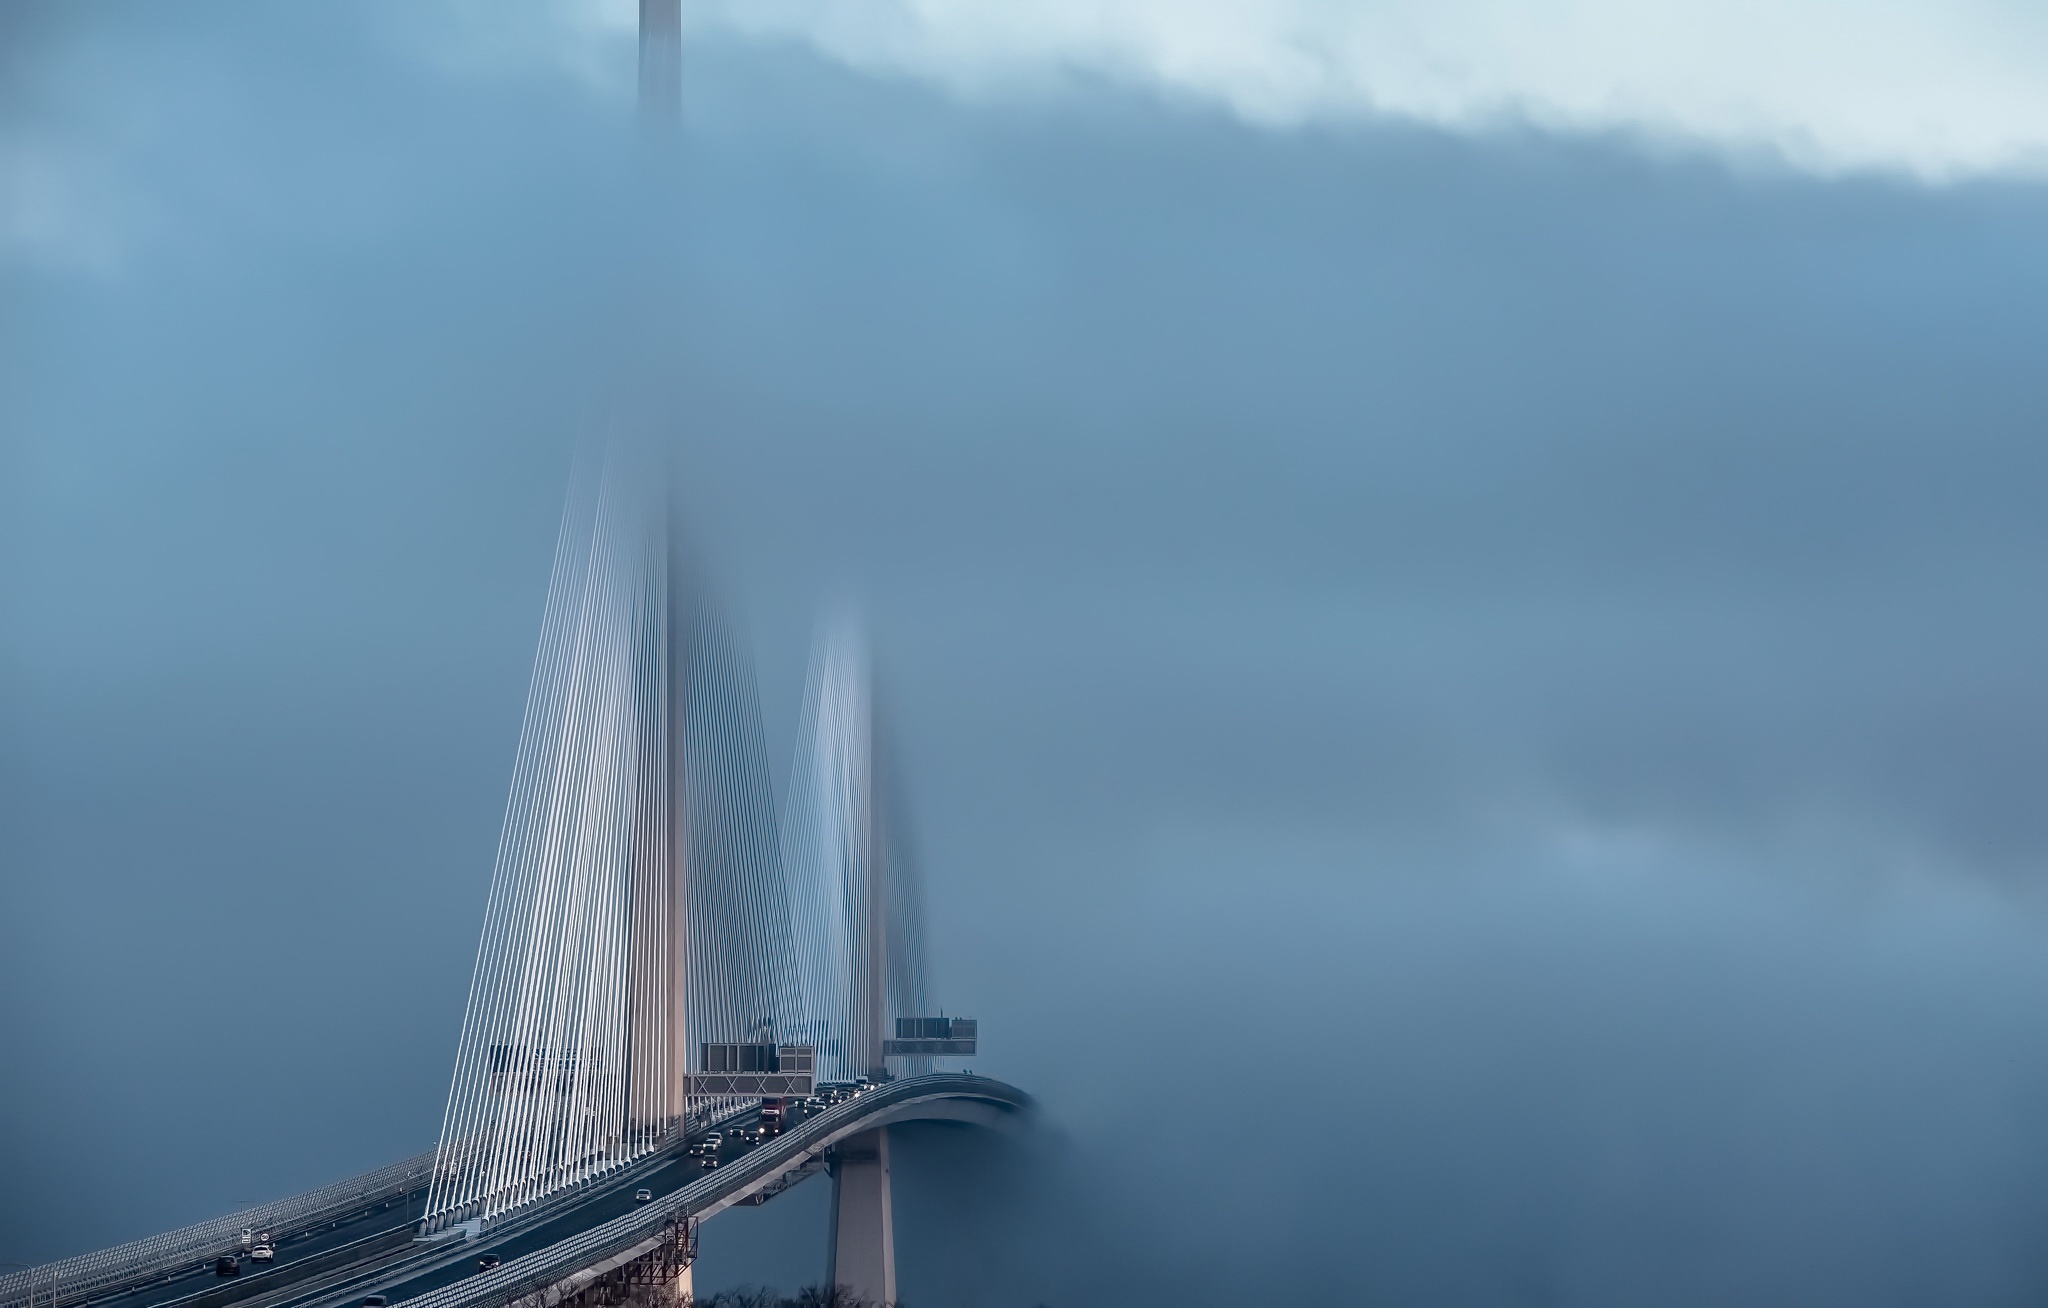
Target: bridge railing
(75,1280)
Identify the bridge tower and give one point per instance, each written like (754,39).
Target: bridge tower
(649,900)
(661,62)
(857,908)
(855,895)
(638,906)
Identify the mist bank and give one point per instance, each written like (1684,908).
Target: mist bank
(1470,706)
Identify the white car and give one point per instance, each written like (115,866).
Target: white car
(262,1253)
(643,1195)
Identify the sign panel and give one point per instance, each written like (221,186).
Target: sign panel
(755,1071)
(935,1037)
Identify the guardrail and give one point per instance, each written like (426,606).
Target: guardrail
(537,1271)
(77,1279)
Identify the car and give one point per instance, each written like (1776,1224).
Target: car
(709,1161)
(375,1301)
(485,1262)
(262,1253)
(643,1195)
(227,1265)
(708,1146)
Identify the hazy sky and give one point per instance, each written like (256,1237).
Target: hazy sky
(1460,586)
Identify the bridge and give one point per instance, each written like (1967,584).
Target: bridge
(687,996)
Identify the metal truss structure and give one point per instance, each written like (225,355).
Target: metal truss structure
(647,900)
(651,1278)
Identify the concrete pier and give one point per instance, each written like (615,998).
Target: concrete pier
(862,1256)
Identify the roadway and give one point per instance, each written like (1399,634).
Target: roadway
(373,1251)
(370,1232)
(378,1240)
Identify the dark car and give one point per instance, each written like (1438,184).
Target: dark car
(375,1301)
(643,1195)
(485,1262)
(229,1266)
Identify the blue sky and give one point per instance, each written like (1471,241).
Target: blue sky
(1500,544)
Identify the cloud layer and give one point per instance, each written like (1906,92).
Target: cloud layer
(1939,92)
(1555,636)
(1936,89)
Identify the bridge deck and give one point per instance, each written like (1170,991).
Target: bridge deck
(576,1233)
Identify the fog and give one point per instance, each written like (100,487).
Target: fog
(1472,704)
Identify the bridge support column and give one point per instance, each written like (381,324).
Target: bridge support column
(862,1256)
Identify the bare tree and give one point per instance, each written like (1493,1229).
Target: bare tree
(811,1296)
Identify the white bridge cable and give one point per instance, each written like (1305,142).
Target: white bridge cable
(561,1048)
(562,1068)
(468,1134)
(461,1127)
(738,908)
(900,884)
(649,895)
(823,849)
(859,922)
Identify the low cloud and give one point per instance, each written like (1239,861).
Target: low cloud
(1933,90)
(1939,92)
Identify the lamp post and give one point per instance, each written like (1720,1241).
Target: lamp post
(32,1281)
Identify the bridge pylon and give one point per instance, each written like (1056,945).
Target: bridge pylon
(861,1255)
(650,907)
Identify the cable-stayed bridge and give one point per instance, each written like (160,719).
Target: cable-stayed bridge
(686,996)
